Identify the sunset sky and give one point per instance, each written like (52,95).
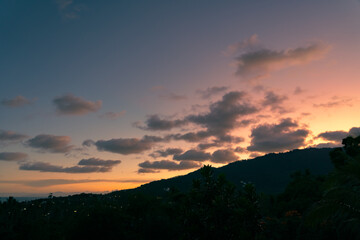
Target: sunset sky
(103,95)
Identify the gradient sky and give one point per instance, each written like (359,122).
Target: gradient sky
(104,95)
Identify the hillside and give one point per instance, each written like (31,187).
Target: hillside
(269,173)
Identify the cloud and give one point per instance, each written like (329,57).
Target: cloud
(147,170)
(166,152)
(9,136)
(191,136)
(338,136)
(258,63)
(18,101)
(193,155)
(68,9)
(298,90)
(277,137)
(224,114)
(72,105)
(274,101)
(12,156)
(334,102)
(211,91)
(112,115)
(173,97)
(98,162)
(168,165)
(88,143)
(54,182)
(127,146)
(246,44)
(155,123)
(90,165)
(224,156)
(50,143)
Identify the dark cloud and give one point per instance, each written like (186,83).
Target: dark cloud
(166,152)
(112,115)
(90,165)
(333,136)
(224,156)
(277,137)
(327,145)
(147,170)
(98,162)
(211,91)
(18,101)
(9,136)
(338,136)
(204,146)
(193,155)
(128,145)
(240,150)
(168,165)
(50,143)
(224,114)
(191,136)
(72,105)
(155,123)
(258,63)
(12,156)
(274,101)
(88,143)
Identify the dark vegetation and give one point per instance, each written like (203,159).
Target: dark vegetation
(310,206)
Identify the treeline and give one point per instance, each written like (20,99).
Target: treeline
(311,207)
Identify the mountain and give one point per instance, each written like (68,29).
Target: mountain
(270,173)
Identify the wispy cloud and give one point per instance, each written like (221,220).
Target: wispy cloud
(112,115)
(259,62)
(18,101)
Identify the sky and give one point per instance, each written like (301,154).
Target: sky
(99,96)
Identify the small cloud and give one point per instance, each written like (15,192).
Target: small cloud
(211,91)
(247,44)
(91,165)
(12,156)
(193,155)
(338,136)
(155,123)
(298,90)
(72,105)
(88,143)
(9,136)
(147,170)
(285,135)
(274,101)
(18,101)
(168,165)
(112,115)
(166,152)
(50,143)
(224,156)
(127,146)
(254,64)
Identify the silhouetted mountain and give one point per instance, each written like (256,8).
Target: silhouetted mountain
(269,173)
